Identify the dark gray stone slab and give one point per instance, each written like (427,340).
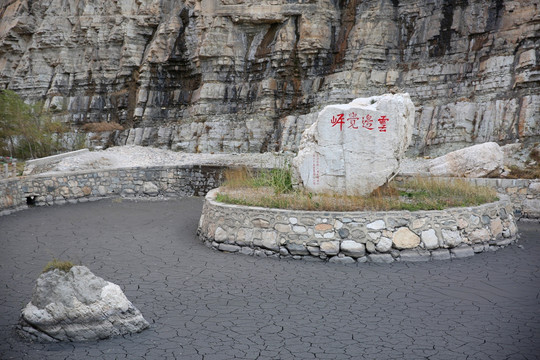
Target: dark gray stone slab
(342,260)
(228,247)
(462,252)
(440,254)
(415,255)
(381,258)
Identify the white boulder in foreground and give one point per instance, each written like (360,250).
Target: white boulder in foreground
(355,148)
(474,161)
(78,306)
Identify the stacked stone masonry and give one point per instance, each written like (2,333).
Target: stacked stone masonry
(337,237)
(58,189)
(175,181)
(349,237)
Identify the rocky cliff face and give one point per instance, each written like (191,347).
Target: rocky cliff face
(244,75)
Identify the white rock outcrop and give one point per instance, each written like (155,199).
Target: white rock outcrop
(78,306)
(356,147)
(474,161)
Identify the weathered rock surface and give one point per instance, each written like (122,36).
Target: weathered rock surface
(353,248)
(355,148)
(225,76)
(405,239)
(475,161)
(430,240)
(78,306)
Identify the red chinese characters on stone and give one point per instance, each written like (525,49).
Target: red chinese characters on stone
(338,119)
(382,121)
(367,122)
(354,120)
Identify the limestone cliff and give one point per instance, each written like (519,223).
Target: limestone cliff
(243,75)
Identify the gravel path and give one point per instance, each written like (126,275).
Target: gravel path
(143,156)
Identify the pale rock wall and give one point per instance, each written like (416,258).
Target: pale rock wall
(241,75)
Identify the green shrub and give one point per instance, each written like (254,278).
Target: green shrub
(27,131)
(280,180)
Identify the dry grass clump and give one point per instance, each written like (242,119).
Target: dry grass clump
(416,194)
(102,126)
(238,177)
(64,266)
(531,170)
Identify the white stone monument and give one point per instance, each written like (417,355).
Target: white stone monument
(354,148)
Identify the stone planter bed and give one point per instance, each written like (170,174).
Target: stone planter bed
(349,237)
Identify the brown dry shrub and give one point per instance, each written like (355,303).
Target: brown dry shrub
(102,126)
(535,153)
(531,172)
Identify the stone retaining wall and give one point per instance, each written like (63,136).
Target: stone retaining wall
(171,181)
(174,181)
(350,237)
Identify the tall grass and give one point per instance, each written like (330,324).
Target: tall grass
(279,180)
(244,187)
(436,194)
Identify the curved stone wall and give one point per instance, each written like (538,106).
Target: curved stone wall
(357,236)
(190,180)
(163,181)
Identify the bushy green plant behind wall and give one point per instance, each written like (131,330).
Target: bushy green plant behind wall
(27,131)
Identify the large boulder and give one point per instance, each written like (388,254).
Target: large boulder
(77,306)
(356,147)
(474,161)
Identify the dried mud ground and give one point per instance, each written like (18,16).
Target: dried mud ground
(204,304)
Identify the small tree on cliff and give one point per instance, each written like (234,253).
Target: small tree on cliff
(26,131)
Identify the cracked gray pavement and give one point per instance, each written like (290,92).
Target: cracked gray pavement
(204,304)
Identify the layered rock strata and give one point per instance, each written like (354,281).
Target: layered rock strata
(228,75)
(78,306)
